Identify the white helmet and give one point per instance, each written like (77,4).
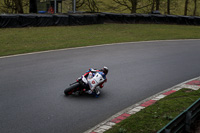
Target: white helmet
(105,70)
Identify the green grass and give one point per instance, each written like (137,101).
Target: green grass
(156,116)
(24,40)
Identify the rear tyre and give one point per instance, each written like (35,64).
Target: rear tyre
(71,89)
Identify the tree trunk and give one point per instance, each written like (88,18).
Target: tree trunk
(18,4)
(157,4)
(186,7)
(134,6)
(152,8)
(195,7)
(33,6)
(168,6)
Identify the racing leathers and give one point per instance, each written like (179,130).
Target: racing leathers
(90,90)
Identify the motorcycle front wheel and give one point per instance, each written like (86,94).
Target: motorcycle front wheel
(71,89)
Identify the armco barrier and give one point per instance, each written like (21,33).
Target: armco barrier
(61,20)
(151,18)
(183,122)
(9,21)
(37,20)
(25,20)
(77,19)
(45,20)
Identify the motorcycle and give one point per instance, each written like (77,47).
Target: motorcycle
(84,84)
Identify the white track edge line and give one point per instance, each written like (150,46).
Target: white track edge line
(101,45)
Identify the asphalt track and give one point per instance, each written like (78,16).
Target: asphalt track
(31,86)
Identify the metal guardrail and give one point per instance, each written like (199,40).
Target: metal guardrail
(182,123)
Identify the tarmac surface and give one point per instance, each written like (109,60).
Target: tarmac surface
(31,86)
(193,84)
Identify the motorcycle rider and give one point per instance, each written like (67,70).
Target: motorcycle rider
(103,72)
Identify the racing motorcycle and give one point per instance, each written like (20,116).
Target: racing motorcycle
(84,84)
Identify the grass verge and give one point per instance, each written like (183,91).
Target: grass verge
(156,116)
(32,39)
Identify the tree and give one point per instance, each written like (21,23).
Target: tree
(157,4)
(13,6)
(186,7)
(92,5)
(168,6)
(195,7)
(128,4)
(33,6)
(152,7)
(19,7)
(79,3)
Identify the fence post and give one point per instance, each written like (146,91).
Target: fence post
(167,131)
(74,6)
(188,121)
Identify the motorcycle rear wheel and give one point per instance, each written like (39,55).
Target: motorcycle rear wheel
(71,89)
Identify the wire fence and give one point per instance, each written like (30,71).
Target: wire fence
(184,121)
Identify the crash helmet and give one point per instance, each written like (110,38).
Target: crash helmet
(105,70)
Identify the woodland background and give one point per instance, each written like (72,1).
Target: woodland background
(173,7)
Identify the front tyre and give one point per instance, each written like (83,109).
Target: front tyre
(71,89)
